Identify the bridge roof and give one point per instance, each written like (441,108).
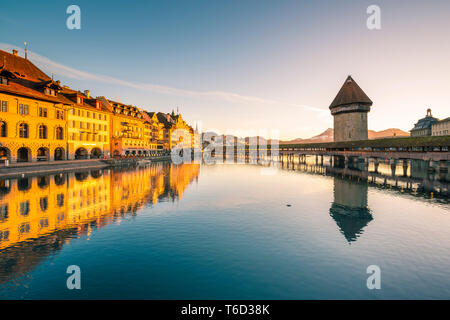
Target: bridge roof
(350,93)
(429,141)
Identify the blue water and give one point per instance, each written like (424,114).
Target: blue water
(232,231)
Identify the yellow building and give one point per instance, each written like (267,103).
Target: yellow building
(127,132)
(88,126)
(176,131)
(156,131)
(33,124)
(89,196)
(31,207)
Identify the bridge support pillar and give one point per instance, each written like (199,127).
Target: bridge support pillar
(443,166)
(376,163)
(405,167)
(393,166)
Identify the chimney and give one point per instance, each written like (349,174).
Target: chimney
(15,52)
(87,93)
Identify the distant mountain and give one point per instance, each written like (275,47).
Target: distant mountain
(327,136)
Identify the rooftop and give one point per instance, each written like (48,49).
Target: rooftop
(350,93)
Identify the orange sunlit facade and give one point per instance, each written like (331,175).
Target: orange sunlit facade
(33,207)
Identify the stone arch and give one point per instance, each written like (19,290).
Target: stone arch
(81,176)
(59,154)
(43,181)
(5,187)
(43,154)
(24,184)
(116,153)
(96,153)
(5,154)
(24,154)
(60,179)
(81,153)
(96,174)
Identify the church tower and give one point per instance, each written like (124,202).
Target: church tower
(349,110)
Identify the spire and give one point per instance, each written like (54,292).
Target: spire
(350,93)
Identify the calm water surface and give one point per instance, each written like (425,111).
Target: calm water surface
(225,231)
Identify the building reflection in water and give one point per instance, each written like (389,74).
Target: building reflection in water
(349,208)
(352,179)
(39,214)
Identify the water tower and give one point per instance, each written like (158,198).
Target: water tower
(349,110)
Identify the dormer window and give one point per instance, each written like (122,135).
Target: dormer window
(4,81)
(79,100)
(50,92)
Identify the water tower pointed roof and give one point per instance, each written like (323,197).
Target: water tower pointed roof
(350,93)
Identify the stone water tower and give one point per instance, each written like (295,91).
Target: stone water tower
(349,109)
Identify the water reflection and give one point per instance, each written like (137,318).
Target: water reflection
(352,179)
(349,208)
(39,214)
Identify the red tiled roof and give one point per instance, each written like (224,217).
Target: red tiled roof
(350,93)
(21,67)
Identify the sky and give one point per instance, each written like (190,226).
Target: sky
(238,67)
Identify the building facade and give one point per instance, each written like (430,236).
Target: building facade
(40,120)
(349,110)
(176,132)
(423,127)
(441,127)
(128,126)
(33,124)
(88,126)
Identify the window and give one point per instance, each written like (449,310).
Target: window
(3,129)
(4,213)
(60,114)
(43,112)
(23,130)
(43,203)
(24,208)
(60,200)
(43,223)
(4,235)
(4,81)
(88,114)
(24,228)
(4,106)
(42,132)
(59,133)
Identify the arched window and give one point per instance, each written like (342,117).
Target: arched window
(23,130)
(42,132)
(59,133)
(3,129)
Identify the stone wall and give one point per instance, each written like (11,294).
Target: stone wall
(350,126)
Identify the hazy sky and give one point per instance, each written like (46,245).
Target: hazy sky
(245,65)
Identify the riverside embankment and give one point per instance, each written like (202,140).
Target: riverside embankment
(48,167)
